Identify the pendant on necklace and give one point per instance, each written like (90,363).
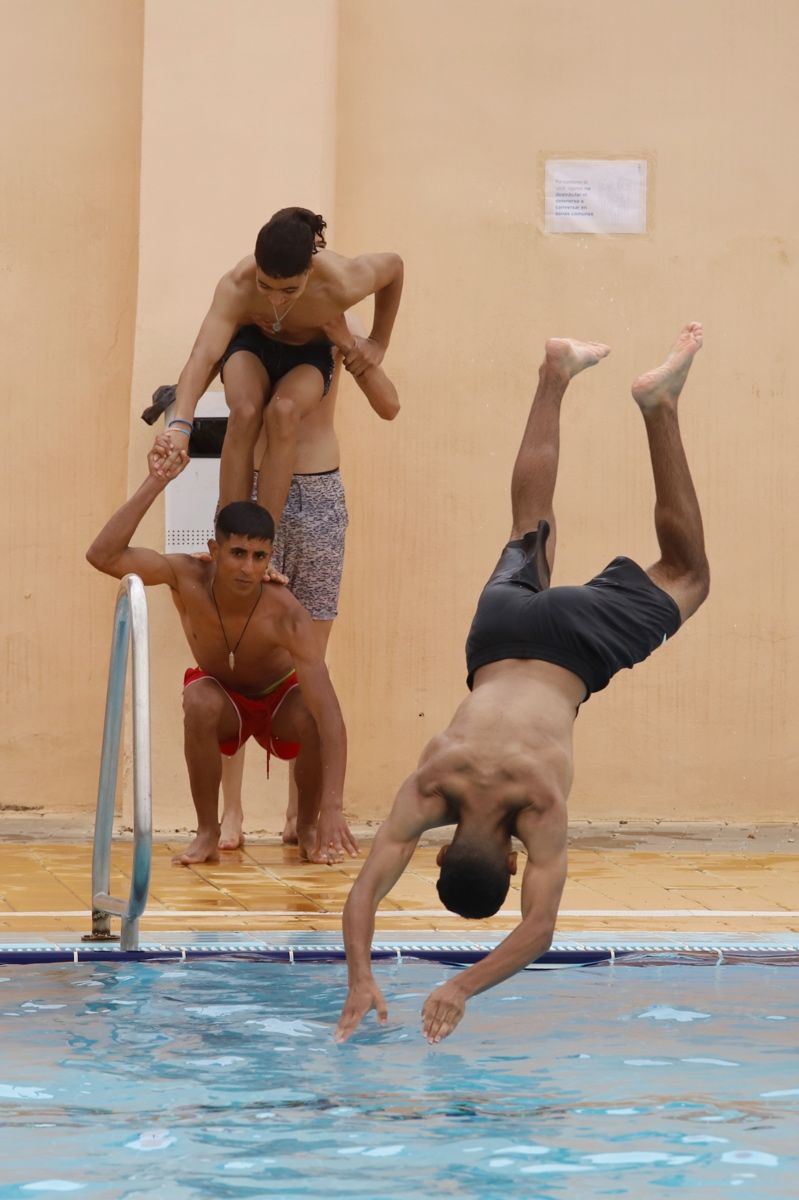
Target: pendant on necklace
(232,660)
(276,327)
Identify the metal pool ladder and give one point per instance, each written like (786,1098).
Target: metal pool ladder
(130,626)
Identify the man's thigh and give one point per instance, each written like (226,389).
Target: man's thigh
(207,706)
(293,721)
(305,385)
(246,381)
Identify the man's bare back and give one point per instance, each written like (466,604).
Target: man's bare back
(511,738)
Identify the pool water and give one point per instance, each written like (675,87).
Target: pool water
(221,1079)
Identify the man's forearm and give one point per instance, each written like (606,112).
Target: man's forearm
(521,947)
(333,753)
(194,380)
(115,536)
(380,392)
(358,927)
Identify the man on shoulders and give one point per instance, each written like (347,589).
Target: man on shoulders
(270,331)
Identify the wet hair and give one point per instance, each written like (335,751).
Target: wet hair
(244,518)
(474,880)
(288,242)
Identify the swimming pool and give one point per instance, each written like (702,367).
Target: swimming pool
(219,1078)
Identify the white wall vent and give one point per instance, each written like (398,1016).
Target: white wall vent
(191,499)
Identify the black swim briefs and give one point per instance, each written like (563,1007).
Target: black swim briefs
(615,620)
(279,358)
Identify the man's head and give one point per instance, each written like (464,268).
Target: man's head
(284,249)
(242,544)
(475,874)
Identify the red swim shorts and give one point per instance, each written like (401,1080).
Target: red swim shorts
(255,716)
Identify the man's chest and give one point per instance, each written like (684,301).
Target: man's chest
(285,322)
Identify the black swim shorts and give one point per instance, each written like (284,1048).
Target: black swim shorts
(615,620)
(278,358)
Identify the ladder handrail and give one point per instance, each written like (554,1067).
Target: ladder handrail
(130,627)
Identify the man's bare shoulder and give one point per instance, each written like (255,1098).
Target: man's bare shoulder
(330,275)
(432,791)
(546,809)
(436,757)
(243,274)
(237,286)
(417,808)
(189,570)
(291,619)
(346,281)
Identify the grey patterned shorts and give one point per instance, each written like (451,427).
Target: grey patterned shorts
(309,544)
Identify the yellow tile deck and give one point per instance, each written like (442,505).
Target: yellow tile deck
(45,887)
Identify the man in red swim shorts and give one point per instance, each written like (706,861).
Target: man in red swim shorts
(255,715)
(260,671)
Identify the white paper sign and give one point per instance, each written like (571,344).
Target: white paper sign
(595,195)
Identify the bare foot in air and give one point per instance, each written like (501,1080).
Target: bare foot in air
(664,384)
(231,836)
(204,848)
(567,357)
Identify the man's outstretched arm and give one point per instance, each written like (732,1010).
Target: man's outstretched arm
(218,327)
(542,886)
(390,854)
(111,552)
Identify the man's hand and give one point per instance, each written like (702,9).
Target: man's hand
(360,1000)
(443,1010)
(333,839)
(166,460)
(275,576)
(363,354)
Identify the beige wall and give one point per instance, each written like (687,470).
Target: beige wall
(70,93)
(423,128)
(448,130)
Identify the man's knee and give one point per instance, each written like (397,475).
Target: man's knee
(282,418)
(688,588)
(246,412)
(700,583)
(202,708)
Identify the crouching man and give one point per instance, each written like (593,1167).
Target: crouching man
(259,670)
